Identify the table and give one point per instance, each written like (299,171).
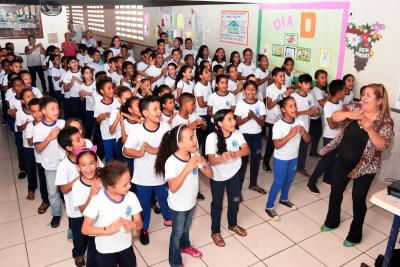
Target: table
(391,204)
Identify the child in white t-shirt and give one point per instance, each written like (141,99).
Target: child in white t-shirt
(263,76)
(181,167)
(349,85)
(184,83)
(143,147)
(219,58)
(189,50)
(235,86)
(246,67)
(128,71)
(156,72)
(286,133)
(170,79)
(27,79)
(288,66)
(116,76)
(225,148)
(222,98)
(274,93)
(168,111)
(203,54)
(56,73)
(44,140)
(112,215)
(72,83)
(250,117)
(95,65)
(88,92)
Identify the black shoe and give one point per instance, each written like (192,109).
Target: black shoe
(326,181)
(21,175)
(144,237)
(267,168)
(288,204)
(55,221)
(156,208)
(200,196)
(315,155)
(314,189)
(80,261)
(272,213)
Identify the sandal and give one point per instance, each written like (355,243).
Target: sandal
(30,196)
(43,207)
(238,230)
(258,189)
(218,240)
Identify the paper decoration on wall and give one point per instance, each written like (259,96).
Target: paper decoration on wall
(301,30)
(265,49)
(52,38)
(197,28)
(360,40)
(234,26)
(180,21)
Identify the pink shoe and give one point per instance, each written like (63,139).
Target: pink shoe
(192,252)
(168,222)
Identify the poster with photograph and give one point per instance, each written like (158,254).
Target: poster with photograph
(20,21)
(234,26)
(291,39)
(325,58)
(303,54)
(277,50)
(290,52)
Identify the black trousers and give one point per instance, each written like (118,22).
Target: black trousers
(361,187)
(39,70)
(316,133)
(269,148)
(124,258)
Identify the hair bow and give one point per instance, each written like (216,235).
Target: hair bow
(80,150)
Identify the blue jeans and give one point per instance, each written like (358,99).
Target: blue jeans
(109,149)
(121,157)
(82,242)
(284,171)
(124,258)
(324,166)
(181,221)
(254,143)
(54,194)
(144,193)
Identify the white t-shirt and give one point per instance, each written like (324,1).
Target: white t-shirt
(116,51)
(246,70)
(192,52)
(10,94)
(204,91)
(57,73)
(130,59)
(215,63)
(178,120)
(260,74)
(29,134)
(165,118)
(288,80)
(242,110)
(184,198)
(141,66)
(67,171)
(80,192)
(15,103)
(218,102)
(116,78)
(154,71)
(170,82)
(143,173)
(348,98)
(104,211)
(36,92)
(329,109)
(81,59)
(187,87)
(274,114)
(97,67)
(99,108)
(74,90)
(304,103)
(20,118)
(50,155)
(113,117)
(318,95)
(129,126)
(91,88)
(227,169)
(5,80)
(291,149)
(201,59)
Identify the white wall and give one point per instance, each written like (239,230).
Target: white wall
(56,24)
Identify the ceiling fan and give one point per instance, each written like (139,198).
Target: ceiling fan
(51,8)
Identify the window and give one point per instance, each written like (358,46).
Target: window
(129,21)
(77,15)
(95,15)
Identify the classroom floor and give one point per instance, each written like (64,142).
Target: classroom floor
(296,240)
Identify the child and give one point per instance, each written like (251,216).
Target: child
(235,86)
(186,114)
(44,139)
(111,216)
(274,93)
(78,124)
(184,83)
(22,118)
(27,79)
(82,54)
(225,148)
(189,61)
(156,72)
(288,66)
(142,66)
(115,45)
(36,114)
(83,190)
(144,88)
(179,162)
(56,73)
(15,68)
(101,113)
(219,58)
(70,139)
(217,70)
(176,58)
(143,146)
(306,107)
(87,92)
(108,61)
(286,133)
(117,74)
(170,79)
(321,77)
(349,85)
(168,108)
(235,59)
(125,54)
(250,117)
(161,48)
(72,83)
(188,50)
(246,67)
(337,92)
(161,90)
(263,76)
(203,54)
(222,98)
(96,65)
(128,71)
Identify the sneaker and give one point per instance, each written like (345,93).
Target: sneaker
(314,189)
(267,168)
(200,196)
(69,235)
(55,221)
(156,208)
(21,175)
(304,173)
(272,213)
(144,237)
(288,204)
(168,222)
(80,261)
(195,253)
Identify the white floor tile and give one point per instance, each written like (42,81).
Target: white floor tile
(11,234)
(6,177)
(317,211)
(14,256)
(7,193)
(66,263)
(293,256)
(200,232)
(246,218)
(39,226)
(361,259)
(157,250)
(9,211)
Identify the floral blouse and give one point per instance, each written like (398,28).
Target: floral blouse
(371,158)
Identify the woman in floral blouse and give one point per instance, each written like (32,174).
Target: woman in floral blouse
(366,131)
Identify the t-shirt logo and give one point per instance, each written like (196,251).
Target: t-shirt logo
(235,144)
(195,171)
(309,103)
(128,211)
(257,112)
(227,103)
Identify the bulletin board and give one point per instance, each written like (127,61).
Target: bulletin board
(313,34)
